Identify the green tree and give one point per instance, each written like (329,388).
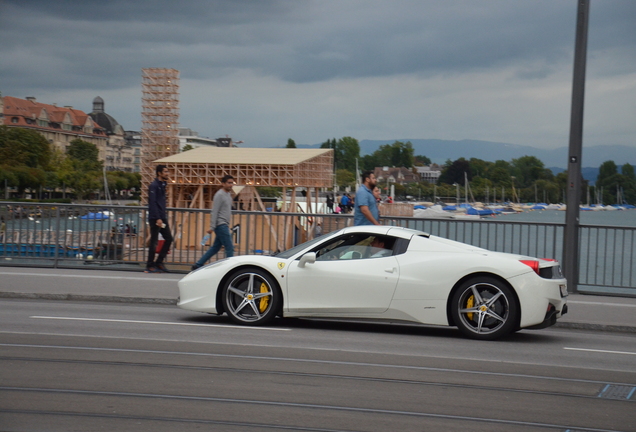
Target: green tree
(527,170)
(81,170)
(186,148)
(332,144)
(25,155)
(420,160)
(345,178)
(28,178)
(348,149)
(607,169)
(628,171)
(291,143)
(398,154)
(453,172)
(7,176)
(85,152)
(499,173)
(24,147)
(608,181)
(479,167)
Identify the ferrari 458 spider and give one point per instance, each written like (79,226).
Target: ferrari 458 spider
(384,273)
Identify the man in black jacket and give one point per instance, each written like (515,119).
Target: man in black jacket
(158,221)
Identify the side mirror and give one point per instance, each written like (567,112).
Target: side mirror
(308,258)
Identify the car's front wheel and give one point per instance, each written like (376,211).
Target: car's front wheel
(252,296)
(485,308)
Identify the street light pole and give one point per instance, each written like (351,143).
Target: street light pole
(571,232)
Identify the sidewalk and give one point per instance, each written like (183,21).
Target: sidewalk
(586,312)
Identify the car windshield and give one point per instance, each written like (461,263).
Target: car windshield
(293,251)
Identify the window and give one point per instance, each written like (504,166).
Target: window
(356,246)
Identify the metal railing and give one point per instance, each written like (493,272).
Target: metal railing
(98,236)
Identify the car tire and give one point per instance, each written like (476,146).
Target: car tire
(252,296)
(485,308)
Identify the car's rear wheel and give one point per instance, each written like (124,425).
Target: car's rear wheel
(485,308)
(252,296)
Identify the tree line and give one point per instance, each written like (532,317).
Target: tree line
(523,179)
(29,163)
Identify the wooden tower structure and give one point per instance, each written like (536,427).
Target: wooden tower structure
(160,121)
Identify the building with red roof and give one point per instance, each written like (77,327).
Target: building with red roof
(59,125)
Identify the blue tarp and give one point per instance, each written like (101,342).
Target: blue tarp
(483,212)
(95,216)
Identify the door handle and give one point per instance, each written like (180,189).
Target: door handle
(390,270)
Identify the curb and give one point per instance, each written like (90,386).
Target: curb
(172,302)
(89,298)
(595,327)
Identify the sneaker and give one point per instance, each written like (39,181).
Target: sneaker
(162,268)
(151,270)
(194,267)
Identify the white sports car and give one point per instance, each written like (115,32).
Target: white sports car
(384,273)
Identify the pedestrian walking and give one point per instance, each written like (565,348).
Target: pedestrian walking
(330,203)
(366,208)
(158,221)
(220,222)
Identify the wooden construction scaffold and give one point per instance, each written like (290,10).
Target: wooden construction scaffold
(160,121)
(196,176)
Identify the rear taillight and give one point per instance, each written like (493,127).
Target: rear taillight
(534,265)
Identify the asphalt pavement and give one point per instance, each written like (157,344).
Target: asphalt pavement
(586,312)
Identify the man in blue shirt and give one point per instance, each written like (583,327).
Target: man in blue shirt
(366,209)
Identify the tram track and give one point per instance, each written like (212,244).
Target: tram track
(81,393)
(244,372)
(399,413)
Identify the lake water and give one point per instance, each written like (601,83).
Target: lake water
(624,218)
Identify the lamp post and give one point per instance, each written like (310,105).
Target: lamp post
(571,231)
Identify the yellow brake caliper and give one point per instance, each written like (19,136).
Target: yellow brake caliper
(264,300)
(470,303)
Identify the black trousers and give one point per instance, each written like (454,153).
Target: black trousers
(154,238)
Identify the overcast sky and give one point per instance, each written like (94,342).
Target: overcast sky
(263,71)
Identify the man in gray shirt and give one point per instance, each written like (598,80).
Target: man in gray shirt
(220,222)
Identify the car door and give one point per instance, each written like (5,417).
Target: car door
(342,287)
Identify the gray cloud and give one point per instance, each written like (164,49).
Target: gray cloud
(482,60)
